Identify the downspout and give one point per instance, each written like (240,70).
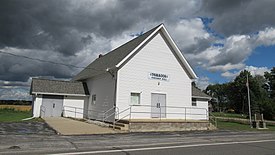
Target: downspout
(26,119)
(114,76)
(115,89)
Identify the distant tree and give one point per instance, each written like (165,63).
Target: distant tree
(270,77)
(218,93)
(235,94)
(268,105)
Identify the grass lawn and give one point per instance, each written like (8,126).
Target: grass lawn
(241,127)
(233,115)
(11,115)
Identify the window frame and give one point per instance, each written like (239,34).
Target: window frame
(139,98)
(94,99)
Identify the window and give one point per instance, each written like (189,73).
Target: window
(194,102)
(93,98)
(135,98)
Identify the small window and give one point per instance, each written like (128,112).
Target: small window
(93,98)
(194,102)
(135,98)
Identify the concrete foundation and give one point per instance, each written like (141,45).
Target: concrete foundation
(166,125)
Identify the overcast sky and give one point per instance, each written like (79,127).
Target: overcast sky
(218,37)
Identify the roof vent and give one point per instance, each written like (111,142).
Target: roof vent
(100,55)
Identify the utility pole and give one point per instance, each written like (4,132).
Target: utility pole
(248,97)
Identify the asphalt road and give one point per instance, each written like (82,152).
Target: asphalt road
(243,148)
(206,142)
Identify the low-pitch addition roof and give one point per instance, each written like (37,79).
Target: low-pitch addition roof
(120,55)
(56,87)
(197,93)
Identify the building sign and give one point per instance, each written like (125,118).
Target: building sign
(158,76)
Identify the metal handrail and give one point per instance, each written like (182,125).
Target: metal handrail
(169,113)
(75,111)
(113,113)
(214,119)
(116,113)
(115,121)
(81,108)
(168,107)
(185,113)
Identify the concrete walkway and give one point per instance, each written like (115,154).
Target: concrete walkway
(66,126)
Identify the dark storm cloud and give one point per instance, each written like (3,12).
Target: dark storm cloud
(72,31)
(35,24)
(64,26)
(239,16)
(20,69)
(201,45)
(61,25)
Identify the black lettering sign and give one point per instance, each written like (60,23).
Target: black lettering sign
(158,76)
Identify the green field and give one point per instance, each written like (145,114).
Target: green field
(231,115)
(11,115)
(241,127)
(227,125)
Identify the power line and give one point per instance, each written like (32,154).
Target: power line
(46,61)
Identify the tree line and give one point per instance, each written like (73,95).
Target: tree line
(15,102)
(233,96)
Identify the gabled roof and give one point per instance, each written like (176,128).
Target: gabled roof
(197,93)
(55,87)
(120,55)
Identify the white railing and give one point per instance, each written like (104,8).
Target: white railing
(169,112)
(185,112)
(113,114)
(72,111)
(116,115)
(213,119)
(91,114)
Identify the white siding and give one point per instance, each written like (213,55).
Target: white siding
(157,57)
(103,86)
(36,105)
(202,112)
(72,101)
(74,106)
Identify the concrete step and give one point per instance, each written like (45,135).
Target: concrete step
(124,121)
(116,127)
(120,126)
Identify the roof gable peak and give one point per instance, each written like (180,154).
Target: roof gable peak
(123,53)
(167,36)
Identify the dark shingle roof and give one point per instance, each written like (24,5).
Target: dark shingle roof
(112,58)
(198,93)
(43,86)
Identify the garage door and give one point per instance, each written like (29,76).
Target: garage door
(52,106)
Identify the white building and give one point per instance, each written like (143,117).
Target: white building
(146,78)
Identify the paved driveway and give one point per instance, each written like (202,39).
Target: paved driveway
(66,126)
(21,128)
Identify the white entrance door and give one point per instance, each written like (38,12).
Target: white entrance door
(158,109)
